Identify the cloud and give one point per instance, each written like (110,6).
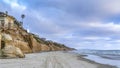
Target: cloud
(111,6)
(88,10)
(15,5)
(96,38)
(105,26)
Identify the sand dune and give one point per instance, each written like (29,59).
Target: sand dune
(49,60)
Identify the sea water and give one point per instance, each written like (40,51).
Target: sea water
(110,57)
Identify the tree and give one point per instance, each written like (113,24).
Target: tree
(6,12)
(22,16)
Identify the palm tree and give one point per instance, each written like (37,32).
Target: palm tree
(22,16)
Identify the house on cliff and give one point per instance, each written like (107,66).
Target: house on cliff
(6,21)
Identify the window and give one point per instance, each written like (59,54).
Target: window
(2,23)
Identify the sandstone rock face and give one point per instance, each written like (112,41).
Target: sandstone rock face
(6,37)
(35,46)
(19,53)
(12,52)
(23,46)
(6,40)
(19,41)
(45,47)
(8,49)
(0,40)
(16,45)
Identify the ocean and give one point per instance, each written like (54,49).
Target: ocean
(110,57)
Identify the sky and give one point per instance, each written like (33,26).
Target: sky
(80,24)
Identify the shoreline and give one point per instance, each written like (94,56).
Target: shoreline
(81,57)
(54,59)
(99,64)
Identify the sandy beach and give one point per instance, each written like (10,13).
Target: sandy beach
(51,60)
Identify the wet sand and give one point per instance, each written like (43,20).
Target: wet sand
(51,60)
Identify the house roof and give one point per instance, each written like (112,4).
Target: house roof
(2,14)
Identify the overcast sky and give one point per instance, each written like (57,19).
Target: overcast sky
(81,24)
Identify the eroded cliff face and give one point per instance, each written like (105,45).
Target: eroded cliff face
(17,41)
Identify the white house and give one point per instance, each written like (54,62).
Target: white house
(6,21)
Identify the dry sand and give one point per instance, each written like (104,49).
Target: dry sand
(51,60)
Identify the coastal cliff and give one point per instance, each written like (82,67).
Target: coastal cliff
(15,41)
